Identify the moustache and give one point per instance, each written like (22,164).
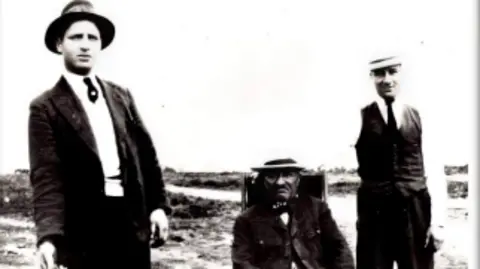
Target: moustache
(281,189)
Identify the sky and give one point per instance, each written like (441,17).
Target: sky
(225,85)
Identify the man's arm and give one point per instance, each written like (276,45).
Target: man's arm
(150,166)
(337,251)
(242,252)
(47,185)
(434,170)
(356,125)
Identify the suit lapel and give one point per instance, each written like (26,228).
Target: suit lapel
(72,110)
(297,217)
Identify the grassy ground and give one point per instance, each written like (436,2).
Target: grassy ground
(200,229)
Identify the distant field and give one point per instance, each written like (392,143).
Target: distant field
(15,192)
(337,183)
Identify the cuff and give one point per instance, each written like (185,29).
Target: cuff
(55,239)
(166,209)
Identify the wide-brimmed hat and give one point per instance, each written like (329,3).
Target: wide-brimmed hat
(279,164)
(74,11)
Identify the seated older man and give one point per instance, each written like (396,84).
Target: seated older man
(287,229)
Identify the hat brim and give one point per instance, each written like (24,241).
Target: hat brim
(61,24)
(278,167)
(387,63)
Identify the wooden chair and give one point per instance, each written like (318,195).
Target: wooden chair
(314,184)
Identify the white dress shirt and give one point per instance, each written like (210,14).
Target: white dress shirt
(432,157)
(100,122)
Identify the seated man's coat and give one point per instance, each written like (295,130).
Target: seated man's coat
(313,239)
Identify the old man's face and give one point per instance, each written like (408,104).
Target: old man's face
(281,185)
(387,81)
(80,46)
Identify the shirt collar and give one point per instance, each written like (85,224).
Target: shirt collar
(397,104)
(76,81)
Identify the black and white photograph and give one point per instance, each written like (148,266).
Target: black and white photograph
(266,134)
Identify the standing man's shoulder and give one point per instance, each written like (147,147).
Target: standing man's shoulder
(122,90)
(367,107)
(42,99)
(414,110)
(411,105)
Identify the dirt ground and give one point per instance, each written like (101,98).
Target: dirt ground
(205,242)
(210,248)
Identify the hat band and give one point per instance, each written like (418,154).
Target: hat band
(382,64)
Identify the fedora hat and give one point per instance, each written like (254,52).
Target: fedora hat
(277,164)
(74,11)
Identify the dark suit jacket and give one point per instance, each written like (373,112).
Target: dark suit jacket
(261,240)
(66,172)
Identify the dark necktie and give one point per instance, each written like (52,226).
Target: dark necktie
(392,131)
(92,91)
(392,123)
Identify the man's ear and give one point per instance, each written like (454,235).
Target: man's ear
(59,45)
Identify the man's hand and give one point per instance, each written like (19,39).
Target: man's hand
(159,228)
(437,234)
(47,256)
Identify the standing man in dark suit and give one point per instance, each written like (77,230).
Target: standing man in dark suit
(98,193)
(401,202)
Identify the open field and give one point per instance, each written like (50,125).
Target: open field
(337,183)
(201,228)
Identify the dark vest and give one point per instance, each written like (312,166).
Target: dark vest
(383,158)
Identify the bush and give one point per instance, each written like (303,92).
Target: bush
(169,170)
(15,194)
(456,189)
(187,207)
(223,181)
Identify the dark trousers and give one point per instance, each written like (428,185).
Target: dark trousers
(392,228)
(117,246)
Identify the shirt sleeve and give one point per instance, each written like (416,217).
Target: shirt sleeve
(356,129)
(434,167)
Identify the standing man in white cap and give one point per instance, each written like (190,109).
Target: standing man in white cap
(98,193)
(401,200)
